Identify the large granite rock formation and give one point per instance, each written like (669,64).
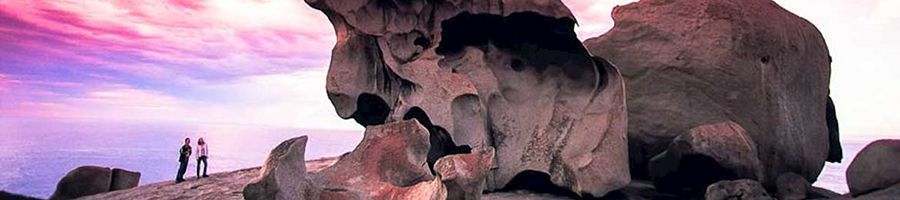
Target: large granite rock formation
(484,73)
(693,62)
(876,166)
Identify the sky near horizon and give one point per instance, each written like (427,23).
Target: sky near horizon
(263,62)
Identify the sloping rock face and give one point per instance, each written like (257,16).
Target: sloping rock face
(484,73)
(877,166)
(693,62)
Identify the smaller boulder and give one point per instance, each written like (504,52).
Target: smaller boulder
(83,181)
(743,189)
(283,175)
(791,186)
(124,179)
(389,163)
(704,155)
(464,174)
(890,193)
(875,167)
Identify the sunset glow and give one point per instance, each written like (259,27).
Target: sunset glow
(264,61)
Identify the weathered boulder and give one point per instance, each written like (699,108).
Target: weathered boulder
(83,181)
(124,179)
(464,174)
(389,163)
(876,166)
(283,175)
(791,186)
(889,193)
(744,189)
(693,62)
(705,155)
(506,74)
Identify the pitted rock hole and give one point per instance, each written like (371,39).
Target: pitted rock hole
(441,143)
(371,110)
(693,174)
(544,41)
(539,182)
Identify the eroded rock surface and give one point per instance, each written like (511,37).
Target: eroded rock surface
(876,166)
(464,174)
(505,74)
(791,186)
(283,175)
(693,62)
(744,189)
(704,155)
(389,163)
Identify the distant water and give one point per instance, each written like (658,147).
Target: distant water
(34,154)
(833,175)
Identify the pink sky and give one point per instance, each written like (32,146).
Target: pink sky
(263,62)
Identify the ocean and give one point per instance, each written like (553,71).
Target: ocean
(35,154)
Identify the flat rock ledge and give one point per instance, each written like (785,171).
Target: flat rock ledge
(224,185)
(229,185)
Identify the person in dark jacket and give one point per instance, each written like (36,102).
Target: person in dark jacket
(183,160)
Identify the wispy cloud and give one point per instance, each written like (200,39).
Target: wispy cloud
(262,61)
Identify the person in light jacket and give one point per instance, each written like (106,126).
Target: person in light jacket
(202,154)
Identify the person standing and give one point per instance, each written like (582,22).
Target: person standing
(183,160)
(202,153)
